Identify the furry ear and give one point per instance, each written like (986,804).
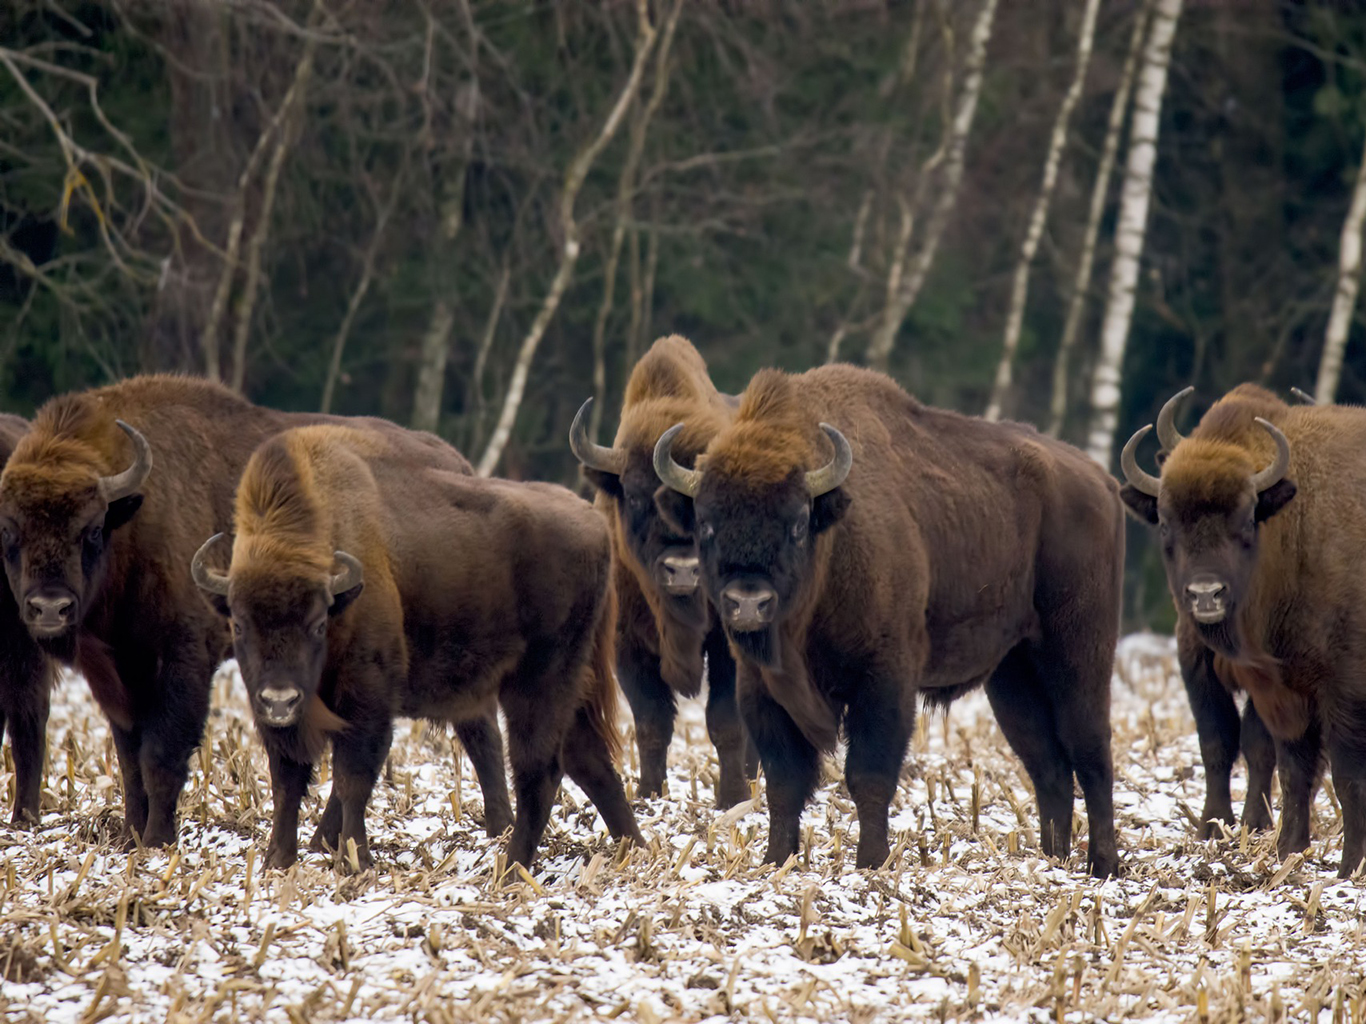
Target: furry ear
(342,601)
(1141,506)
(676,510)
(121,511)
(1274,498)
(828,509)
(608,483)
(218,603)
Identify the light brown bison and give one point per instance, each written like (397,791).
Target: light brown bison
(865,549)
(97,546)
(454,594)
(665,624)
(1261,515)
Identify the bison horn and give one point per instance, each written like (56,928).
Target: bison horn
(351,576)
(1274,473)
(1139,478)
(684,481)
(1303,396)
(830,476)
(594,456)
(208,579)
(121,485)
(1166,420)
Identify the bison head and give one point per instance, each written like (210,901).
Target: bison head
(55,526)
(1208,506)
(667,552)
(279,625)
(755,534)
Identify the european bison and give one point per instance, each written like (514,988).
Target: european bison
(97,547)
(26,679)
(454,594)
(906,550)
(665,624)
(1261,521)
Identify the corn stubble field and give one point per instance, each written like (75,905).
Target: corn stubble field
(966,922)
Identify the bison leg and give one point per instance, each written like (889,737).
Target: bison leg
(1348,755)
(26,722)
(328,834)
(483,742)
(289,780)
(1259,750)
(128,746)
(879,727)
(587,762)
(790,762)
(1299,762)
(653,706)
(727,732)
(1216,723)
(357,759)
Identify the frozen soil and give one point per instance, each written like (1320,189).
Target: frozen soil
(968,920)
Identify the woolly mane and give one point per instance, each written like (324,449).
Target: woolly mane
(73,438)
(1211,467)
(771,437)
(672,368)
(278,518)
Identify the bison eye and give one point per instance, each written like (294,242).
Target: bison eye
(236,629)
(799,528)
(94,535)
(706,531)
(320,628)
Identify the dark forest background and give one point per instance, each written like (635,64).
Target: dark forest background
(375,205)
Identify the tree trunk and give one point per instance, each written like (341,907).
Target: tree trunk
(1130,231)
(1081,283)
(1345,298)
(1019,295)
(908,288)
(569,250)
(436,346)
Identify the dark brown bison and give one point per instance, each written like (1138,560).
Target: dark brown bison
(1261,514)
(665,625)
(454,594)
(26,679)
(97,545)
(865,549)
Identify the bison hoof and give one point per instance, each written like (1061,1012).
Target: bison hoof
(24,819)
(280,857)
(1258,820)
(496,824)
(1104,865)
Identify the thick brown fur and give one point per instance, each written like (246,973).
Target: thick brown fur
(476,592)
(956,553)
(1297,636)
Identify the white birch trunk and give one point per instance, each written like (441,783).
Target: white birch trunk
(1345,298)
(1130,231)
(1081,282)
(1019,294)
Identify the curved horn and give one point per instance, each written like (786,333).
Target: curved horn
(121,485)
(1166,421)
(594,456)
(1274,473)
(684,481)
(1137,477)
(1303,396)
(830,476)
(349,577)
(208,579)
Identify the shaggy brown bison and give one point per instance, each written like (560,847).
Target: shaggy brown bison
(906,550)
(454,594)
(97,546)
(665,624)
(26,679)
(1261,518)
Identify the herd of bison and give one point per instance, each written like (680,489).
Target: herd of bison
(823,550)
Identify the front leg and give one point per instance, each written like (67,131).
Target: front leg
(289,781)
(357,759)
(483,742)
(128,747)
(25,719)
(1299,762)
(1216,723)
(653,706)
(1259,751)
(170,738)
(790,762)
(724,727)
(878,725)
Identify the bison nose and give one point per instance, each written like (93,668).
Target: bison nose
(1208,598)
(279,706)
(747,606)
(679,573)
(49,614)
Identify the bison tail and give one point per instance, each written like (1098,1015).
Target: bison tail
(600,696)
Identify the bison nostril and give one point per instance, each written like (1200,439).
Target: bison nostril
(49,609)
(748,606)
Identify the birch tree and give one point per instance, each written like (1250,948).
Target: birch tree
(1019,292)
(1081,282)
(569,246)
(1345,297)
(1131,229)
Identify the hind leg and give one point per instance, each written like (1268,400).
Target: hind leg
(587,761)
(653,706)
(1259,750)
(483,742)
(791,766)
(724,726)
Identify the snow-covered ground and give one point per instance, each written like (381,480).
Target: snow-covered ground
(967,924)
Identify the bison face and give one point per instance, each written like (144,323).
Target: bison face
(55,532)
(279,629)
(755,541)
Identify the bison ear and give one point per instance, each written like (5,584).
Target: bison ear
(218,602)
(1274,498)
(121,510)
(676,510)
(828,509)
(608,483)
(342,601)
(1142,506)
